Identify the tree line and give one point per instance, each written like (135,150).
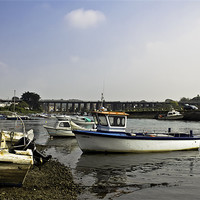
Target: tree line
(29,103)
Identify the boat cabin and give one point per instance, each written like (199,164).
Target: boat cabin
(173,113)
(108,121)
(62,124)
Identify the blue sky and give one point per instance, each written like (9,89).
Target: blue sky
(131,50)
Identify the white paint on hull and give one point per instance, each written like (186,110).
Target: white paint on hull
(59,132)
(116,144)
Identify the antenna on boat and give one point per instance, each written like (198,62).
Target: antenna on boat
(102,99)
(102,103)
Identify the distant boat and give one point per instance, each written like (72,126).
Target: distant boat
(2,117)
(111,136)
(15,117)
(63,117)
(81,120)
(171,115)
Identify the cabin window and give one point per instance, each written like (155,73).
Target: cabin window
(64,124)
(102,120)
(117,121)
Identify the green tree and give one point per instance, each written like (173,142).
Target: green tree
(196,99)
(24,105)
(184,99)
(32,99)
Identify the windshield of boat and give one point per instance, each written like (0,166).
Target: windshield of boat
(116,121)
(102,120)
(64,124)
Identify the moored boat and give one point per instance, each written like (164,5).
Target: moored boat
(63,129)
(171,115)
(81,120)
(111,136)
(14,164)
(63,117)
(17,156)
(16,117)
(14,136)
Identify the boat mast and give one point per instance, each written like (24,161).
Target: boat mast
(102,100)
(14,100)
(102,97)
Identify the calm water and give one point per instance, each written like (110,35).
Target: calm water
(172,175)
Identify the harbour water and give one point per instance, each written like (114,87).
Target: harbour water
(163,176)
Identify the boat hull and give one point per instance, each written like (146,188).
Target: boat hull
(171,117)
(14,167)
(102,142)
(59,132)
(13,174)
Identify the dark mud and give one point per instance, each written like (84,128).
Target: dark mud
(52,181)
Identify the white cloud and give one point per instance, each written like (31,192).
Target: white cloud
(83,19)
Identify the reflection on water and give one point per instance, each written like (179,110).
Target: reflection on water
(125,176)
(125,173)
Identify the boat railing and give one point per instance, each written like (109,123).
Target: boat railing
(168,133)
(190,134)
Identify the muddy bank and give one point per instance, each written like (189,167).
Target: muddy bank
(52,181)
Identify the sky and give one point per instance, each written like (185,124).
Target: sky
(130,50)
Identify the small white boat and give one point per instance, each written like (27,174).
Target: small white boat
(111,137)
(63,129)
(173,115)
(81,120)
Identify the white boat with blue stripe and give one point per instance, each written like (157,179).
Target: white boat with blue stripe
(110,136)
